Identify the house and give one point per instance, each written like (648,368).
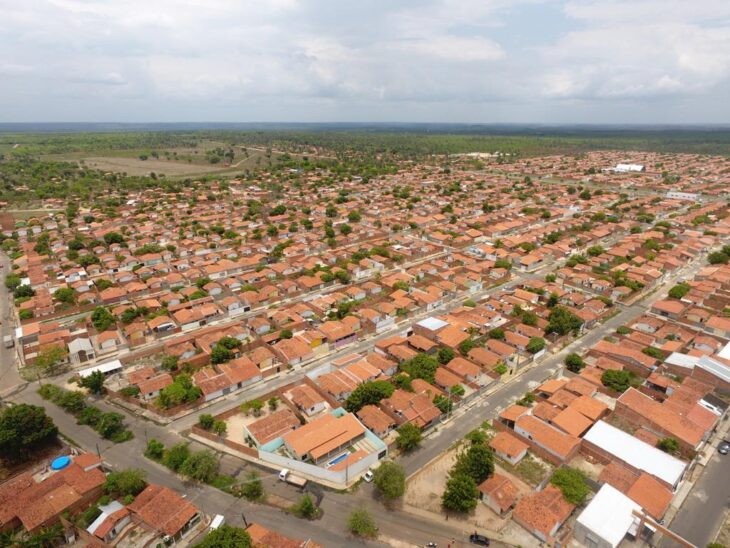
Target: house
(376,420)
(162,509)
(150,388)
(324,437)
(272,426)
(261,537)
(508,447)
(557,446)
(240,372)
(306,399)
(80,350)
(607,519)
(606,443)
(542,513)
(36,500)
(498,493)
(113,519)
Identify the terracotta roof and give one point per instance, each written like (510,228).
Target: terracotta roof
(507,444)
(501,490)
(162,509)
(323,435)
(651,495)
(543,510)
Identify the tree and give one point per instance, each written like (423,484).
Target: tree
(252,487)
(368,393)
(200,466)
(477,462)
(24,429)
(618,380)
(445,355)
(421,366)
(574,362)
(169,363)
(23,291)
(93,382)
(125,482)
(220,354)
(12,281)
(286,334)
(110,425)
(562,321)
(206,421)
(535,345)
(226,536)
(176,456)
(390,479)
(345,229)
(679,290)
(65,295)
(668,445)
(155,450)
(220,428)
(466,346)
(461,494)
(716,257)
(361,524)
(572,484)
(497,333)
(102,319)
(50,357)
(409,437)
(113,238)
(305,508)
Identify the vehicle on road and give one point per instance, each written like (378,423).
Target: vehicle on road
(216,522)
(8,341)
(480,540)
(368,476)
(287,476)
(724,448)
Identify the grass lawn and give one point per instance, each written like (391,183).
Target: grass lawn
(529,469)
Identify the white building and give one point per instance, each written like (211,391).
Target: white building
(607,519)
(637,454)
(687,196)
(628,168)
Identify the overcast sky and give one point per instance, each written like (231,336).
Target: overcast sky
(590,61)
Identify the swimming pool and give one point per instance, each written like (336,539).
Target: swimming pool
(334,461)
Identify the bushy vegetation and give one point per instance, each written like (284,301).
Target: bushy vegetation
(109,425)
(572,484)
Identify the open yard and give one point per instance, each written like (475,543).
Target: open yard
(424,490)
(135,166)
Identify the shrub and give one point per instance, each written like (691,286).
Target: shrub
(200,466)
(155,450)
(176,456)
(572,484)
(618,380)
(668,445)
(409,437)
(125,482)
(361,524)
(252,487)
(206,421)
(305,508)
(574,362)
(390,479)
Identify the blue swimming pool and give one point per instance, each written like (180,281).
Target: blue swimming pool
(342,457)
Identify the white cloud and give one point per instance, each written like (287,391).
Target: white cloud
(294,60)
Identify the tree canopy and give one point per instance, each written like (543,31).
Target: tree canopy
(24,429)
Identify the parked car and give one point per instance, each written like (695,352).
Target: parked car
(724,448)
(481,540)
(368,476)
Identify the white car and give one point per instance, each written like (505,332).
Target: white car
(368,476)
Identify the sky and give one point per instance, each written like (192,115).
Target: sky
(472,61)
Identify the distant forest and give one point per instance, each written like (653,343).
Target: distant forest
(400,140)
